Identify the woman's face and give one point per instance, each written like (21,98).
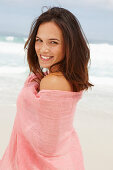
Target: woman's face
(49,44)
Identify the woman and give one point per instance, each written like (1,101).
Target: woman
(43,136)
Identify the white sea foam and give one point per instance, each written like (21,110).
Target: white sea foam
(101,54)
(12,60)
(9,38)
(12,70)
(101,60)
(11,48)
(101,80)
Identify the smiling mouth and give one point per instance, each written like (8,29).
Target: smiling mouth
(45,58)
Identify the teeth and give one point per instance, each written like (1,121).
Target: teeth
(45,57)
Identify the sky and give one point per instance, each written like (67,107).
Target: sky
(95,16)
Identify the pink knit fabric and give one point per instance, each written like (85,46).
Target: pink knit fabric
(43,136)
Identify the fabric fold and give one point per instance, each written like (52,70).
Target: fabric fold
(43,134)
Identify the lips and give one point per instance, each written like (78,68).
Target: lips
(46,59)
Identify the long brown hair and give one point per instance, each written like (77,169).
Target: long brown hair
(74,65)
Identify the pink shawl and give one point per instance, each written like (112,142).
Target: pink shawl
(43,136)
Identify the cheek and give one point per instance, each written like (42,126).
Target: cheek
(36,49)
(60,53)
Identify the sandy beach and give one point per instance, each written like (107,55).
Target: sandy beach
(93,122)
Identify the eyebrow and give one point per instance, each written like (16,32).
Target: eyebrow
(49,39)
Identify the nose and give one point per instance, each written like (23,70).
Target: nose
(44,48)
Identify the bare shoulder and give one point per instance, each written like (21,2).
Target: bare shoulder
(54,82)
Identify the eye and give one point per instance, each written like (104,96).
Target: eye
(54,42)
(37,39)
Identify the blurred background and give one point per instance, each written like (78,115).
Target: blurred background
(94,116)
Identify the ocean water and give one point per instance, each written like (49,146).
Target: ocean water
(13,58)
(14,68)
